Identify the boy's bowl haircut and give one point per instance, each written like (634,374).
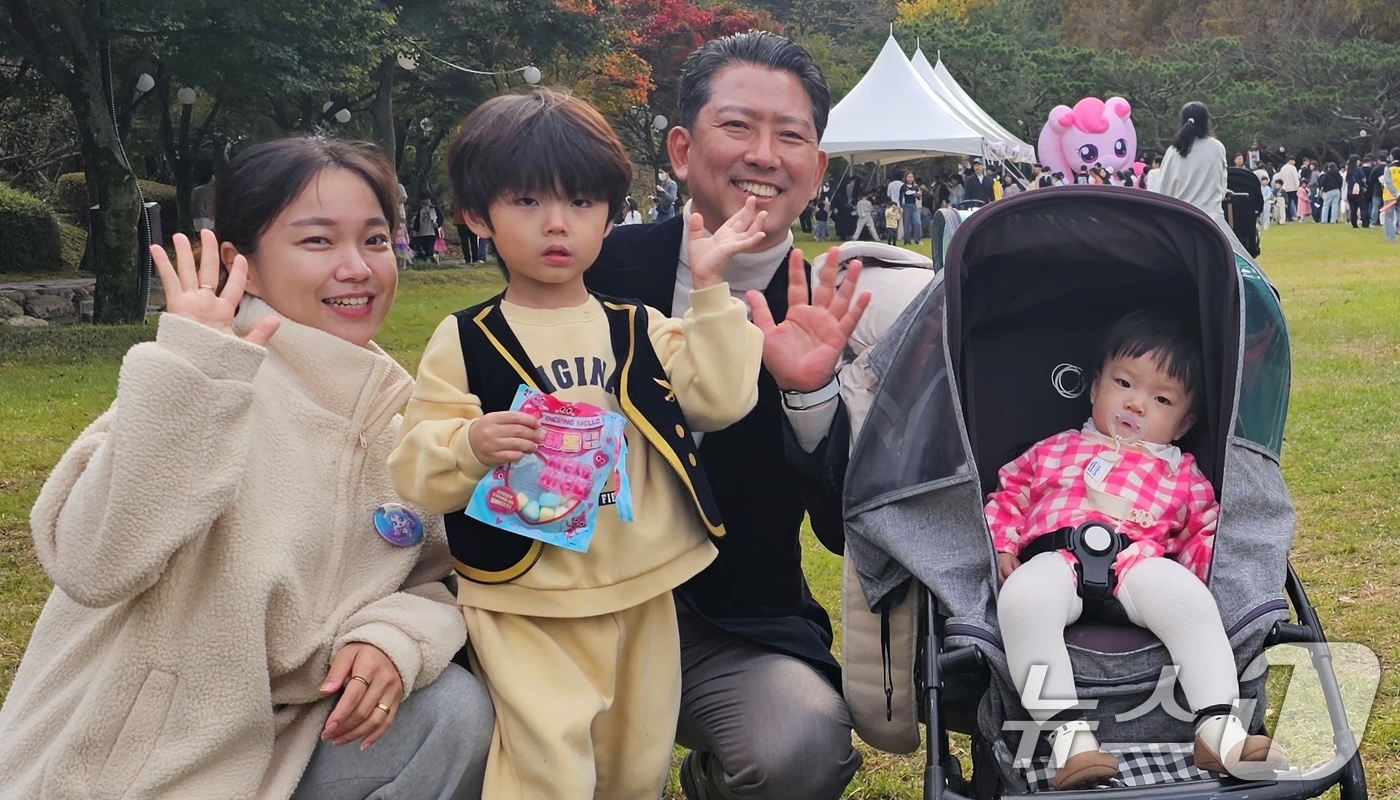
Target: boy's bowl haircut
(542,141)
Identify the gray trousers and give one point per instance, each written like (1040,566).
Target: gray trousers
(773,726)
(435,750)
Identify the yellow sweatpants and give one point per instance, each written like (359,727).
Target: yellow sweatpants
(585,708)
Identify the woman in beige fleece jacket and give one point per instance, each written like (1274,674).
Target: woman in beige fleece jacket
(227,622)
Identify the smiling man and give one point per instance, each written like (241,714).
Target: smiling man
(760,704)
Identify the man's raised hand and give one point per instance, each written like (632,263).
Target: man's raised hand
(802,352)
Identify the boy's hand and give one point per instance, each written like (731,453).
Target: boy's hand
(504,437)
(1006,564)
(710,255)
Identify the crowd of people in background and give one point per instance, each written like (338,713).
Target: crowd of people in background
(1295,190)
(1360,191)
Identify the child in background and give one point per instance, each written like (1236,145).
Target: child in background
(1122,470)
(1268,194)
(580,651)
(1304,201)
(1280,203)
(892,219)
(822,214)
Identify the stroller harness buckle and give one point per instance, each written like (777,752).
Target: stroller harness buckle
(1094,546)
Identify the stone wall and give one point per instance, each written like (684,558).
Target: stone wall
(42,303)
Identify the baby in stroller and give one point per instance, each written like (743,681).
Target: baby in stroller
(1115,510)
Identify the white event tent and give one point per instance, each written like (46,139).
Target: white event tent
(893,115)
(1001,143)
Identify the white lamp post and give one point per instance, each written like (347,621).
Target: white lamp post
(659,122)
(186,96)
(342,116)
(531,75)
(145,83)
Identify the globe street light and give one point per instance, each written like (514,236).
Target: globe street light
(145,83)
(343,115)
(659,122)
(185,96)
(531,75)
(408,61)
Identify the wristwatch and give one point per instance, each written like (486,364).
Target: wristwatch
(798,401)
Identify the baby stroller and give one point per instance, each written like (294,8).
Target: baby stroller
(1244,204)
(995,355)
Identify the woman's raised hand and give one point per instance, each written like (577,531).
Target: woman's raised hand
(194,293)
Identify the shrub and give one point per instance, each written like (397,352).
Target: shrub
(29,232)
(74,241)
(72,197)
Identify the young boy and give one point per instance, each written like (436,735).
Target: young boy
(1122,471)
(822,214)
(892,219)
(1267,192)
(580,651)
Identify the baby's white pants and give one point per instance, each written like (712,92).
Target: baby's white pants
(1039,600)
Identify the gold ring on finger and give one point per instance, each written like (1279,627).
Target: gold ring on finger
(206,286)
(360,679)
(384,708)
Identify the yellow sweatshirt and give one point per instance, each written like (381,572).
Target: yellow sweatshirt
(712,360)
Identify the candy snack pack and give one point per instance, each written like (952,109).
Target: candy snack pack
(552,494)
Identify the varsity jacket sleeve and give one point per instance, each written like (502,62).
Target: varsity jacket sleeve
(711,357)
(419,627)
(433,464)
(155,471)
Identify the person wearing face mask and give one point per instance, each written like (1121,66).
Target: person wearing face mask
(1159,512)
(667,194)
(243,605)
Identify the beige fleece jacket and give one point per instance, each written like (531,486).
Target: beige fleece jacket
(212,545)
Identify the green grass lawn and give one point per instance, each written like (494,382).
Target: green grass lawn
(1341,294)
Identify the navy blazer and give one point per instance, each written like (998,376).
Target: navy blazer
(763,482)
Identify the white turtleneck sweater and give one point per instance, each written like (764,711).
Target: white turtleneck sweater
(753,271)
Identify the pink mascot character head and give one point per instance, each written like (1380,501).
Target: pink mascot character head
(1093,132)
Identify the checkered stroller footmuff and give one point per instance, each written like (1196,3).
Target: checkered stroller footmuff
(1139,765)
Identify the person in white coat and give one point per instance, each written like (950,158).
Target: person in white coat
(1193,168)
(243,607)
(865,219)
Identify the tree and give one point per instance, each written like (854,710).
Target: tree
(68,42)
(236,51)
(38,139)
(665,32)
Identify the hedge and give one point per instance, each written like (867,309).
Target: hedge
(29,234)
(73,198)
